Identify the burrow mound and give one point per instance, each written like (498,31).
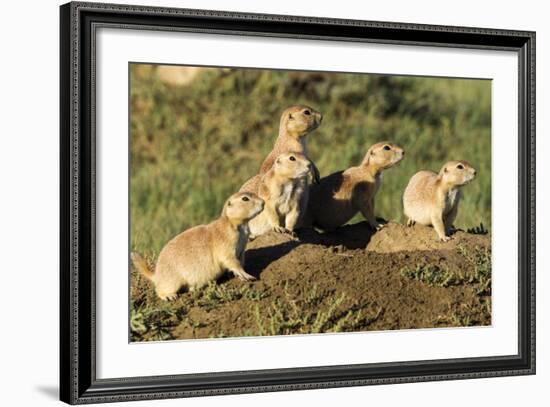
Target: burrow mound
(392,238)
(352,279)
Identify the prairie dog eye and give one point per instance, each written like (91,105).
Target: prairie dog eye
(387,148)
(460,166)
(246,199)
(292,158)
(307,112)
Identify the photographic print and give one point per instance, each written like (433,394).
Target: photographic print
(233,222)
(272,202)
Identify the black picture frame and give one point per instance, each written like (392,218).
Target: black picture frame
(78,382)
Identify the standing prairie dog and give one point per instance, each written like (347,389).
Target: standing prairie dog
(282,198)
(295,124)
(432,199)
(339,196)
(201,254)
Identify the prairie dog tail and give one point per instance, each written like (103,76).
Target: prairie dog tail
(141,265)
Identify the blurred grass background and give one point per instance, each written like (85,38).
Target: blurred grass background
(198,133)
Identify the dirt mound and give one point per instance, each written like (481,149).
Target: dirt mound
(393,237)
(348,280)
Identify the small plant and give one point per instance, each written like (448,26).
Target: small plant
(433,275)
(324,317)
(478,230)
(151,323)
(354,320)
(137,323)
(214,294)
(478,273)
(286,316)
(313,297)
(455,320)
(254,295)
(480,259)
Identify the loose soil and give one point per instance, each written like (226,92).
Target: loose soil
(348,280)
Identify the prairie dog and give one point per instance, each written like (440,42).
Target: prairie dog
(432,199)
(279,188)
(201,254)
(339,196)
(295,124)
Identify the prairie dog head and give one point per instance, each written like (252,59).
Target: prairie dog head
(300,120)
(383,155)
(457,173)
(242,206)
(292,165)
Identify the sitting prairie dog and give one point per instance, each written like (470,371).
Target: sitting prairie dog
(432,199)
(339,196)
(201,254)
(295,124)
(278,188)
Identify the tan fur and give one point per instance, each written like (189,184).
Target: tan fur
(281,192)
(252,184)
(141,265)
(432,199)
(339,196)
(201,254)
(294,126)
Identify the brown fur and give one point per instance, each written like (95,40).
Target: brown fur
(339,196)
(201,254)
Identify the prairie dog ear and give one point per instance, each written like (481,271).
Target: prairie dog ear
(370,152)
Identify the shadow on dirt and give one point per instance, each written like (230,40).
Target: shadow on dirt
(273,247)
(258,259)
(356,236)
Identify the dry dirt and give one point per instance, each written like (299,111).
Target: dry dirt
(348,280)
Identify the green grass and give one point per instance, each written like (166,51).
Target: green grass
(317,313)
(214,295)
(153,322)
(476,271)
(192,146)
(481,267)
(430,274)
